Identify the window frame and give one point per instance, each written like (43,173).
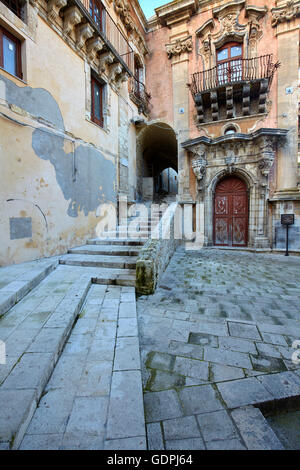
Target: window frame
(4,32)
(229,45)
(226,76)
(101,7)
(16,7)
(101,85)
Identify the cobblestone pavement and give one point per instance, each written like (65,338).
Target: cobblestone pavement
(216,343)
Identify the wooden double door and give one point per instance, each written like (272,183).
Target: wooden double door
(231,213)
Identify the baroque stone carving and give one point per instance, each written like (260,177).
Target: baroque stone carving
(179,46)
(72,17)
(229,27)
(106,59)
(286,13)
(54,7)
(93,46)
(199,164)
(267,147)
(123,9)
(83,33)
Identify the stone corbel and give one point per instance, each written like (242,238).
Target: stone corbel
(93,46)
(121,78)
(106,59)
(72,17)
(54,7)
(83,33)
(114,71)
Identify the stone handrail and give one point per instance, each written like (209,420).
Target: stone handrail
(156,253)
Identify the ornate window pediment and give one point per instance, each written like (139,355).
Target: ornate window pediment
(225,27)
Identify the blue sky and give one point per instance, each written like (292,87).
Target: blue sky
(149,5)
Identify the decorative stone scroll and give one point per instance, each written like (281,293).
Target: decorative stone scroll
(54,7)
(83,32)
(284,13)
(93,46)
(72,17)
(123,10)
(179,46)
(254,153)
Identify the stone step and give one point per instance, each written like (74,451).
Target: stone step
(116,242)
(99,261)
(18,289)
(105,250)
(127,235)
(32,353)
(125,278)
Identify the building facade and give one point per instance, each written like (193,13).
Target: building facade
(71,84)
(97,103)
(231,73)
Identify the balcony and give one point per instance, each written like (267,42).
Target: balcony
(110,33)
(139,95)
(233,89)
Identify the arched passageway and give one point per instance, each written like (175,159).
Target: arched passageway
(156,152)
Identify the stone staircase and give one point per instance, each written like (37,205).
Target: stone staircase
(115,253)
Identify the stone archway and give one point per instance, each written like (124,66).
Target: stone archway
(157,150)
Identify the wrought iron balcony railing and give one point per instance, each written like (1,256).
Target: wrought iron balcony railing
(139,95)
(111,32)
(234,71)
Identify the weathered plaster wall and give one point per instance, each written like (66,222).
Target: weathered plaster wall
(57,166)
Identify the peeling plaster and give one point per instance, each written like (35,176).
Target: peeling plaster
(92,172)
(84,175)
(35,101)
